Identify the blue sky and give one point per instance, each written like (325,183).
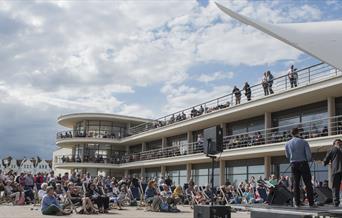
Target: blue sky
(142,58)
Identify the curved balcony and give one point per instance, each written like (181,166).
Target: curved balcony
(316,131)
(71,137)
(311,75)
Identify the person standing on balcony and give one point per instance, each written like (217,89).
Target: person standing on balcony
(237,93)
(248,91)
(297,150)
(335,157)
(264,84)
(269,78)
(293,76)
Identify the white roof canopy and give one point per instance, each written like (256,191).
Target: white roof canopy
(322,40)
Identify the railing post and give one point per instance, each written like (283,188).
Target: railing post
(309,75)
(285,82)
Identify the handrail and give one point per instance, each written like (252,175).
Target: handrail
(310,70)
(193,148)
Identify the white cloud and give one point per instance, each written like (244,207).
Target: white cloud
(68,56)
(210,77)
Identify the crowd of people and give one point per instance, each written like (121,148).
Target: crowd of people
(89,134)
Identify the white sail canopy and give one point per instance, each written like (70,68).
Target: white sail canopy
(322,40)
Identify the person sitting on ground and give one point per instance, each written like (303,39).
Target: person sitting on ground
(248,91)
(42,191)
(96,195)
(166,197)
(50,205)
(178,194)
(237,93)
(151,196)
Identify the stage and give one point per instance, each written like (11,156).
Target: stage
(276,211)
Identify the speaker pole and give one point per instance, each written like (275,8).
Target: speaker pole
(213,157)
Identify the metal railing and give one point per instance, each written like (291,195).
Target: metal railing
(306,76)
(87,134)
(311,129)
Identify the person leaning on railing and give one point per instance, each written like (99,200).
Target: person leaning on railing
(248,91)
(237,93)
(293,76)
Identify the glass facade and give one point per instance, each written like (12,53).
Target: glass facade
(201,174)
(177,174)
(280,166)
(151,173)
(177,140)
(310,119)
(241,170)
(154,145)
(100,129)
(245,126)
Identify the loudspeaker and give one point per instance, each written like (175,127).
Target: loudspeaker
(208,211)
(324,195)
(213,140)
(282,196)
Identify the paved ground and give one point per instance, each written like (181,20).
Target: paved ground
(129,212)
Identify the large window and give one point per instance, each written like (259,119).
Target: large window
(310,119)
(281,167)
(151,173)
(242,170)
(100,129)
(201,174)
(177,174)
(154,145)
(177,140)
(245,126)
(338,105)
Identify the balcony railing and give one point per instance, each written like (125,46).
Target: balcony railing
(306,76)
(311,129)
(87,134)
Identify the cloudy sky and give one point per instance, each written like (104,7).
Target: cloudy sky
(138,57)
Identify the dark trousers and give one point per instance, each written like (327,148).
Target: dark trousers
(51,210)
(302,170)
(336,180)
(293,82)
(102,202)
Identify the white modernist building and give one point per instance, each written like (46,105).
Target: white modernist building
(254,130)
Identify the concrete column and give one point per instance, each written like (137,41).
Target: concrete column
(162,170)
(164,142)
(267,166)
(126,172)
(143,146)
(331,113)
(189,136)
(189,139)
(188,172)
(142,172)
(222,172)
(224,129)
(268,124)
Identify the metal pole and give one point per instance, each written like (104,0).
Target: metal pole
(212,179)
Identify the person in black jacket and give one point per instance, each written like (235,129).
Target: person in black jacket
(237,93)
(97,195)
(248,91)
(335,157)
